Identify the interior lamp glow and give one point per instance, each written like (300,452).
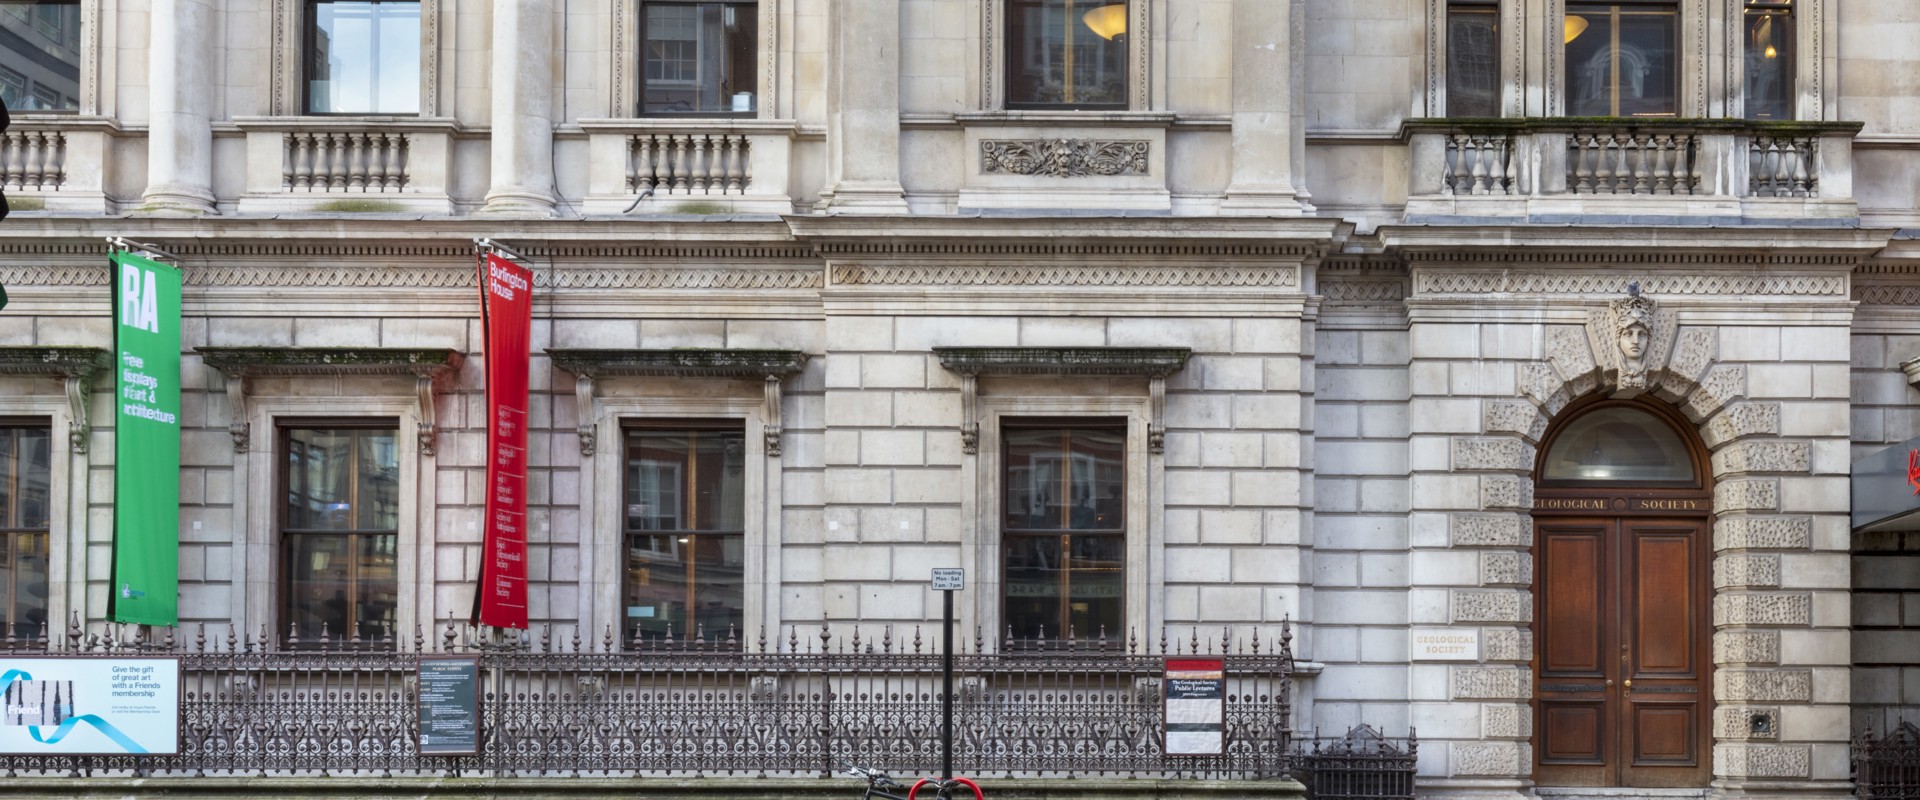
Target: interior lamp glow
(1575,26)
(1108,21)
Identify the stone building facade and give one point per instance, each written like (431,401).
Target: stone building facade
(1329,331)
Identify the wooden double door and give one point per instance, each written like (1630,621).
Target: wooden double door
(1623,687)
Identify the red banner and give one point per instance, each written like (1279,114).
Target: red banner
(506,318)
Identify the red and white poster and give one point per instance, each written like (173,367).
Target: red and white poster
(506,317)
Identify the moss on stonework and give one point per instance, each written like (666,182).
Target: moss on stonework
(27,203)
(359,206)
(701,208)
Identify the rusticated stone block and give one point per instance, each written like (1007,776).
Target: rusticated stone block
(1510,454)
(1763,533)
(1762,760)
(1506,645)
(1540,382)
(1746,495)
(1763,456)
(1724,384)
(1516,417)
(1506,569)
(1503,721)
(1738,723)
(1750,608)
(1742,420)
(1693,352)
(1510,607)
(1491,683)
(1568,352)
(1490,530)
(1505,491)
(1746,647)
(1764,685)
(1492,760)
(1746,570)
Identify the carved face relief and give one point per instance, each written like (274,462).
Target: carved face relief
(1633,342)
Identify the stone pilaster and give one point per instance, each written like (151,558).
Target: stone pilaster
(523,53)
(180,65)
(1265,127)
(863,100)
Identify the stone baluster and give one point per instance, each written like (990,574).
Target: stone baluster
(1500,169)
(681,165)
(1642,145)
(1771,159)
(702,163)
(358,166)
(337,166)
(298,174)
(736,157)
(33,173)
(1582,171)
(380,161)
(1476,154)
(12,156)
(1603,164)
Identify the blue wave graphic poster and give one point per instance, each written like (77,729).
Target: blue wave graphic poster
(89,706)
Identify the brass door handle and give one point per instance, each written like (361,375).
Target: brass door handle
(1629,684)
(1609,681)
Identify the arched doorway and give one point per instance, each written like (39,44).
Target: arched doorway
(1623,689)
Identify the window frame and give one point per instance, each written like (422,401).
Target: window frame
(1007,533)
(628,59)
(641,80)
(289,49)
(310,28)
(1008,74)
(282,578)
(88,100)
(1493,9)
(1682,59)
(1779,10)
(8,589)
(628,536)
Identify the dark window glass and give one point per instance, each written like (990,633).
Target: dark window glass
(1622,60)
(1769,59)
(1473,60)
(340,531)
(40,55)
(363,57)
(26,461)
(1066,54)
(1618,443)
(685,491)
(1064,529)
(699,58)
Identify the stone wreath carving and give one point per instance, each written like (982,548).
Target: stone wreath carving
(1630,338)
(1064,158)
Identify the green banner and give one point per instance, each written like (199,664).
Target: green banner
(146,436)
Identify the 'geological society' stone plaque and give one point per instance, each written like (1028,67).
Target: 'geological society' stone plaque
(1446,644)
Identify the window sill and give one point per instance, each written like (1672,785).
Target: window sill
(1104,119)
(345,122)
(742,125)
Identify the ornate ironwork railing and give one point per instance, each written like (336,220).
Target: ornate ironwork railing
(1887,768)
(1362,765)
(256,706)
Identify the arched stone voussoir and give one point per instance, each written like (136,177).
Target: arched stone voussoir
(1492,453)
(1740,421)
(1515,418)
(1724,384)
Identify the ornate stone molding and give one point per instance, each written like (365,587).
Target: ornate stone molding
(592,365)
(76,367)
(1064,158)
(1152,363)
(1887,294)
(433,277)
(1615,282)
(426,366)
(1068,275)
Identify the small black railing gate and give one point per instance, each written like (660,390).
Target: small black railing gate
(1887,768)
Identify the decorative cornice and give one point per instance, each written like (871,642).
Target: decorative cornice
(1597,254)
(1436,282)
(1887,294)
(65,362)
(680,362)
(855,275)
(1107,361)
(249,362)
(431,277)
(1065,158)
(1374,290)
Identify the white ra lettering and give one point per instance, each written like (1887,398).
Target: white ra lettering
(139,301)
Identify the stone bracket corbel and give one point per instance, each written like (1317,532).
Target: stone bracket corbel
(1912,368)
(589,366)
(1152,363)
(429,423)
(773,426)
(1157,414)
(238,364)
(583,413)
(79,396)
(969,413)
(239,428)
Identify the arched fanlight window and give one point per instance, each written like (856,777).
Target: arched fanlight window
(1618,444)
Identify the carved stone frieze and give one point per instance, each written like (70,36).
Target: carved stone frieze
(1492,454)
(1746,495)
(1490,530)
(1744,570)
(1756,608)
(1363,291)
(1746,647)
(1880,294)
(1741,420)
(1065,275)
(1499,568)
(1765,685)
(1480,282)
(1763,456)
(1509,607)
(1491,759)
(1505,491)
(1491,683)
(1064,158)
(1764,760)
(433,277)
(1763,533)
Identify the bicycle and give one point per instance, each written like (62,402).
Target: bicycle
(880,785)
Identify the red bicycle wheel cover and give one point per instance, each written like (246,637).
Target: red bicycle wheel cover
(977,794)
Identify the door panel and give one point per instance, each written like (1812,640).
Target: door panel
(1621,676)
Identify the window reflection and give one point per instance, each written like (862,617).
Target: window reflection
(1618,443)
(26,455)
(1065,494)
(684,517)
(1473,59)
(1067,53)
(1769,59)
(340,534)
(363,57)
(1622,60)
(699,58)
(40,55)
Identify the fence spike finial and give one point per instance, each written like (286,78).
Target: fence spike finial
(293,635)
(168,641)
(606,639)
(74,632)
(916,640)
(353,634)
(44,641)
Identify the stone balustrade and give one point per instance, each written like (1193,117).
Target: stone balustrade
(668,166)
(33,160)
(347,164)
(357,161)
(1615,170)
(56,163)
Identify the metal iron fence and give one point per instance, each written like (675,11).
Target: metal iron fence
(1887,768)
(1361,764)
(256,706)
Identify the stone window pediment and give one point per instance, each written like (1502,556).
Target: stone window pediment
(592,365)
(425,365)
(76,366)
(1152,363)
